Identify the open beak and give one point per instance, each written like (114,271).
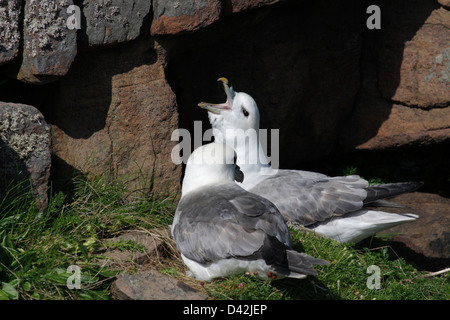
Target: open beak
(216,108)
(238,174)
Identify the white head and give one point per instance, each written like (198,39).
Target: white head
(236,123)
(238,112)
(213,163)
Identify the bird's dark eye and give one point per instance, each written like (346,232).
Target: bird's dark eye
(245,112)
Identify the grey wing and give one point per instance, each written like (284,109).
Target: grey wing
(269,218)
(306,200)
(223,223)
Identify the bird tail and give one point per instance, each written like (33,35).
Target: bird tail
(388,190)
(356,226)
(301,264)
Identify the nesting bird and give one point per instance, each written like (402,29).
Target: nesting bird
(220,229)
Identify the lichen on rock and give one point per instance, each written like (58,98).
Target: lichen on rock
(9,29)
(49,45)
(25,148)
(113,21)
(43,23)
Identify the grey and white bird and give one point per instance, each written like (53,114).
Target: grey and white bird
(220,229)
(332,206)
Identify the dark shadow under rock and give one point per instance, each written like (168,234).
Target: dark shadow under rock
(426,241)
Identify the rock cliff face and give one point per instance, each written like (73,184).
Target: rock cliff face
(112,21)
(24,150)
(125,113)
(428,239)
(9,30)
(404,96)
(49,47)
(172,17)
(114,90)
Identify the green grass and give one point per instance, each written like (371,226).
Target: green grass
(36,248)
(352,170)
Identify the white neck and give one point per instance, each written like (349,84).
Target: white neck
(250,155)
(210,176)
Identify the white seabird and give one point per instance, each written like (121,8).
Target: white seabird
(332,206)
(220,229)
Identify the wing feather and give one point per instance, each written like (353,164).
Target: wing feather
(308,200)
(226,222)
(388,190)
